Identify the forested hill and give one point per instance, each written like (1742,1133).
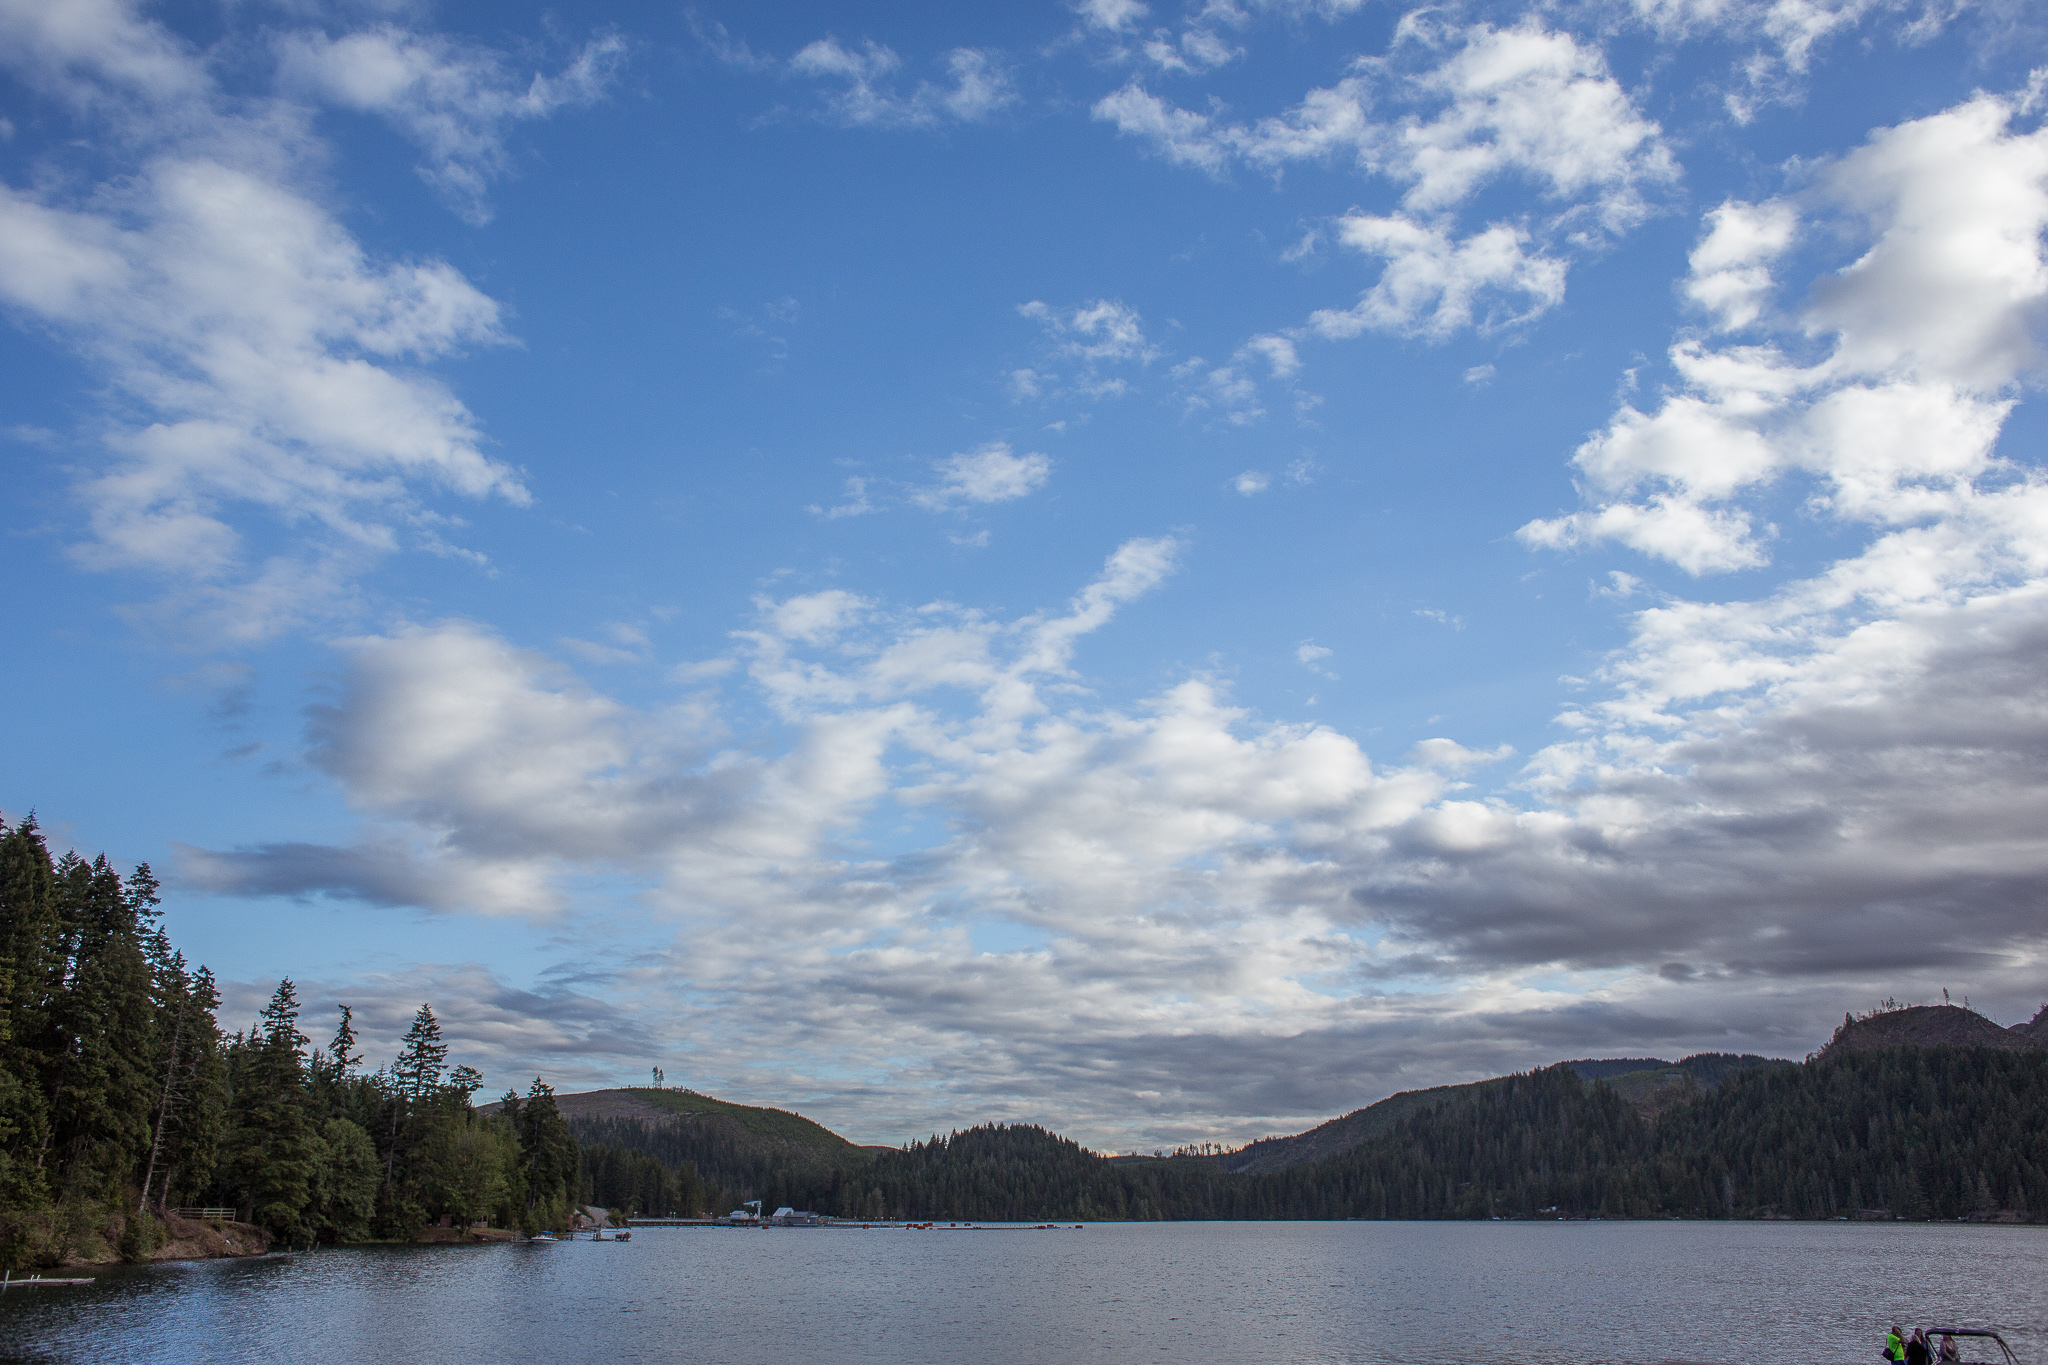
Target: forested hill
(1647,1083)
(1900,1132)
(1906,1133)
(733,1151)
(1934,1026)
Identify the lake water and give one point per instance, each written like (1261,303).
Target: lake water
(1169,1292)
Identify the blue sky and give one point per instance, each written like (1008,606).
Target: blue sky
(1163,569)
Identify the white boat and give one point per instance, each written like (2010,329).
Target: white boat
(543,1237)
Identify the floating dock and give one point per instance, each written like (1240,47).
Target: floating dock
(7,1281)
(872,1224)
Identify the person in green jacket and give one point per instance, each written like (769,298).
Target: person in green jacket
(1894,1345)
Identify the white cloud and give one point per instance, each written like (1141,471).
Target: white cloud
(989,474)
(702,671)
(1251,482)
(257,359)
(1277,351)
(1102,331)
(1224,389)
(1731,276)
(979,86)
(1195,50)
(1097,337)
(1027,384)
(261,340)
(1784,34)
(1482,104)
(731,51)
(857,504)
(1930,325)
(1115,16)
(99,53)
(1524,102)
(454,100)
(1434,284)
(1180,135)
(1310,655)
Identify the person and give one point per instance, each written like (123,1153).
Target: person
(1895,1345)
(1918,1352)
(1949,1354)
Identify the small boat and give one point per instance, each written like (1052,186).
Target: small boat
(543,1237)
(1968,1337)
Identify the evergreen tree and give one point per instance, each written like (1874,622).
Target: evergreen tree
(344,1191)
(31,974)
(272,1154)
(548,1155)
(414,1077)
(101,1029)
(191,1131)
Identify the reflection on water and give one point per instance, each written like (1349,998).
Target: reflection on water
(1179,1292)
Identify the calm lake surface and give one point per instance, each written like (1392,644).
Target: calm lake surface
(1180,1292)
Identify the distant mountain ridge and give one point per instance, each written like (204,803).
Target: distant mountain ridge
(1649,1084)
(1710,1112)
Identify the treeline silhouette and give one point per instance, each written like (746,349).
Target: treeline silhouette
(1908,1132)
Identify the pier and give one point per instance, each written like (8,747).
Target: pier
(872,1224)
(7,1281)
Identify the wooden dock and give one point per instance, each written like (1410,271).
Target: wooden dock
(873,1224)
(7,1281)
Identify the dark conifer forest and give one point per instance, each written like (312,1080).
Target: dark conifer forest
(122,1100)
(1912,1133)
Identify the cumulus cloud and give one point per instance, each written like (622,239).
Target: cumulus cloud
(1522,102)
(1434,285)
(1126,844)
(1116,16)
(1091,342)
(454,100)
(1194,50)
(1105,330)
(1836,782)
(257,358)
(979,86)
(261,339)
(990,474)
(1226,390)
(858,502)
(1446,113)
(100,55)
(1898,421)
(1731,267)
(1781,35)
(1277,351)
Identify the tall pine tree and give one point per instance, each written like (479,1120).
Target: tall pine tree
(271,1154)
